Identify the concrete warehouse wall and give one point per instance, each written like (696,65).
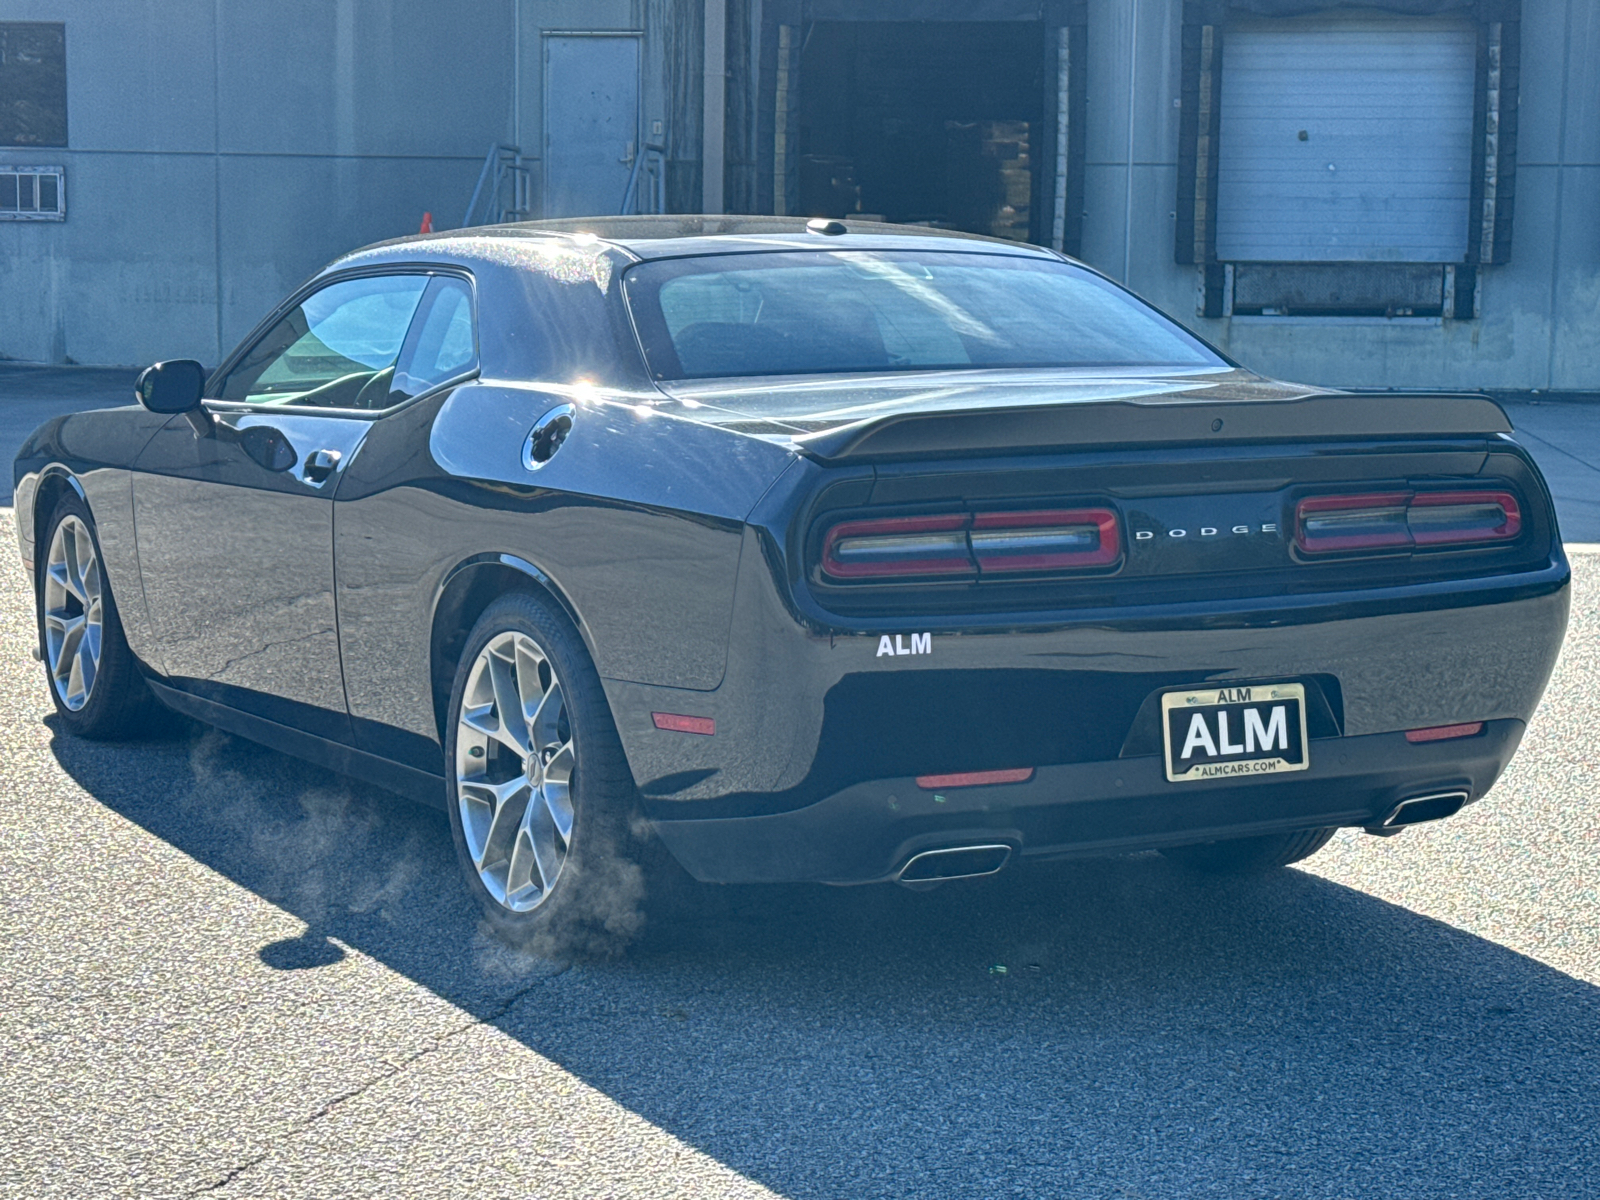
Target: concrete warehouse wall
(1540,317)
(221,150)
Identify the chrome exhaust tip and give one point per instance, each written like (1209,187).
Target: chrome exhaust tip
(1433,807)
(955,862)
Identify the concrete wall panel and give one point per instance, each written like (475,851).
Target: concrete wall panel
(364,77)
(284,218)
(1575,335)
(140,78)
(139,72)
(1105,192)
(1543,76)
(1106,115)
(1581,141)
(128,279)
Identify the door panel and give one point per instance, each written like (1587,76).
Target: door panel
(236,556)
(591,121)
(235,528)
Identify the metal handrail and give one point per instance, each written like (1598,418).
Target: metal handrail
(653,161)
(501,163)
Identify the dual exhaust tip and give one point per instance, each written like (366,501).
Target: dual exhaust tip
(955,862)
(1435,806)
(971,862)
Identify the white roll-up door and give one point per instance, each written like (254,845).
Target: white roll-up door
(1346,141)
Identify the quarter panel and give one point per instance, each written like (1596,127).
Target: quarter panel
(636,521)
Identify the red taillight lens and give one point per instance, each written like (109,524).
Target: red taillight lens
(1045,541)
(965,544)
(1328,523)
(1445,518)
(898,546)
(1405,520)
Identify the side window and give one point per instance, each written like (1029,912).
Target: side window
(337,349)
(443,342)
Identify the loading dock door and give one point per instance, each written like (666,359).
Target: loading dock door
(1346,141)
(924,122)
(591,122)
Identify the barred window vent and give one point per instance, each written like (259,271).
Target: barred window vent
(32,194)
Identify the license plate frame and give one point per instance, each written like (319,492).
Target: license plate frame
(1213,753)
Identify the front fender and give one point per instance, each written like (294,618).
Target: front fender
(90,453)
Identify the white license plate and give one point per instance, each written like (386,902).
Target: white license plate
(1235,732)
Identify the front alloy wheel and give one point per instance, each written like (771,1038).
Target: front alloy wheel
(94,678)
(515,762)
(74,612)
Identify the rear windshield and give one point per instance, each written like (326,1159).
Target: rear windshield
(825,311)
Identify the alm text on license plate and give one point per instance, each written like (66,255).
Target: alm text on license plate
(1225,732)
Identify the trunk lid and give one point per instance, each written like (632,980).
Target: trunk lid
(938,414)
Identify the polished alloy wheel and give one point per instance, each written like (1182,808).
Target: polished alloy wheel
(514,768)
(73,595)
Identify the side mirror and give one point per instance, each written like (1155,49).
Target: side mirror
(171,387)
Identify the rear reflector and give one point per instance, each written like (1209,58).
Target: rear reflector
(966,544)
(1405,520)
(679,723)
(1443,733)
(974,778)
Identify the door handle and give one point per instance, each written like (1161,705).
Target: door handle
(321,464)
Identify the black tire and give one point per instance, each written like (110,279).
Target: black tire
(119,705)
(594,907)
(1251,856)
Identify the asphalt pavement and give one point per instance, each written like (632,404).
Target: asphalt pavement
(224,972)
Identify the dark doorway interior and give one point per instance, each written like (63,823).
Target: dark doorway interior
(924,122)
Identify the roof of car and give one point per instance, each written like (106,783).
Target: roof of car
(677,235)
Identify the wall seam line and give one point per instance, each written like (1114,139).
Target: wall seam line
(216,160)
(1559,164)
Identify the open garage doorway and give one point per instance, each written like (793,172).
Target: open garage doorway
(938,123)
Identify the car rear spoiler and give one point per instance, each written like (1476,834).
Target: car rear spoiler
(1340,416)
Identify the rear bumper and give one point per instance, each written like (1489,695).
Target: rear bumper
(867,832)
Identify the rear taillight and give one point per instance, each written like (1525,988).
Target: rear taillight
(898,546)
(1445,518)
(1405,520)
(1045,541)
(967,544)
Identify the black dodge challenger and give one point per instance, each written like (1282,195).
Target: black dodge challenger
(836,552)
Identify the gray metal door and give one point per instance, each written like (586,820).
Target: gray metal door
(1346,141)
(591,122)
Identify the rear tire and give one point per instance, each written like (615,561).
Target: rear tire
(1251,856)
(540,794)
(93,676)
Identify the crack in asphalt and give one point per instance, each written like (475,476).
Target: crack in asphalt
(397,1068)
